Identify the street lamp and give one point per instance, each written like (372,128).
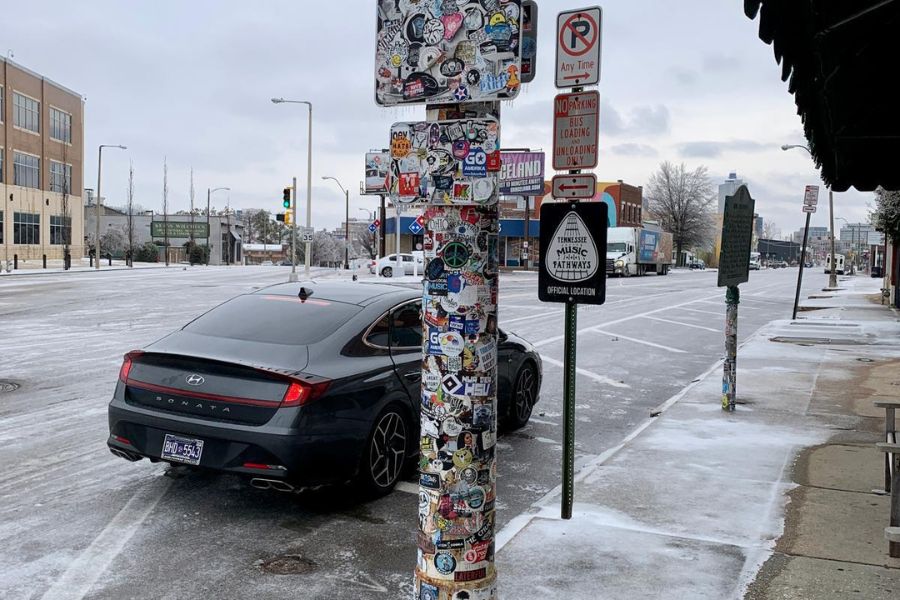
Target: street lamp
(346,223)
(293,276)
(99,164)
(210,192)
(832,276)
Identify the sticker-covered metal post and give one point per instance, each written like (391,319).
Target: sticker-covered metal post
(734,269)
(460,58)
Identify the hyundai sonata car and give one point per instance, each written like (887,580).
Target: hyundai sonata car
(295,385)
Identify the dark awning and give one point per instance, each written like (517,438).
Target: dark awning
(840,58)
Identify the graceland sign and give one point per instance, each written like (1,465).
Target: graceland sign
(179,229)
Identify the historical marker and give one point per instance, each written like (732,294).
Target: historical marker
(737,234)
(573,253)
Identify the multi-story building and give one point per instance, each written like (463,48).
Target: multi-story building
(41,166)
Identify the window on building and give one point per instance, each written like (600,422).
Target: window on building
(26,170)
(26,228)
(60,125)
(26,113)
(60,177)
(1,226)
(60,230)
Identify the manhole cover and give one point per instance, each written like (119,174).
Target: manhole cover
(8,386)
(289,564)
(865,360)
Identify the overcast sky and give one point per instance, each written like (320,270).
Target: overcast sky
(191,81)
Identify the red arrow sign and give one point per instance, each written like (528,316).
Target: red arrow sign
(565,187)
(578,76)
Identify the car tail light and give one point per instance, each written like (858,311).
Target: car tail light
(125,369)
(302,392)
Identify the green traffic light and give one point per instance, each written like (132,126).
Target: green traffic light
(287,198)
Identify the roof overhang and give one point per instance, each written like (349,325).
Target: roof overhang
(839,58)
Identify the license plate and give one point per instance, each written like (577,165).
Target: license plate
(180,449)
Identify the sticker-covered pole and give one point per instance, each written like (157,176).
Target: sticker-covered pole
(729,375)
(570,341)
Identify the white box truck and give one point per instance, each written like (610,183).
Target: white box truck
(638,250)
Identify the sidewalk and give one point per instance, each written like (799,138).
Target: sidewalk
(772,501)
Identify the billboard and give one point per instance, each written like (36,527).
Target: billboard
(377,168)
(447,52)
(522,173)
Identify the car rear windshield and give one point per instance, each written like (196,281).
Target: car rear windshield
(274,319)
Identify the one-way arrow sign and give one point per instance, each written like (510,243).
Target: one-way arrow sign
(580,186)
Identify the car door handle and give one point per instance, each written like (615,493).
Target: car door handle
(413,376)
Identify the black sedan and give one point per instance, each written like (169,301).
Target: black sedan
(295,385)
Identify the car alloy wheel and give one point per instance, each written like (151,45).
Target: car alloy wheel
(387,450)
(524,397)
(387,272)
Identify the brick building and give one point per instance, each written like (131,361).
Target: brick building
(41,166)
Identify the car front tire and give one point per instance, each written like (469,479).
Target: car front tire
(387,272)
(386,452)
(524,395)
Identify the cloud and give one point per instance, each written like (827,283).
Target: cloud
(641,120)
(714,149)
(634,150)
(720,62)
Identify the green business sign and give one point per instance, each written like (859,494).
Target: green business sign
(179,229)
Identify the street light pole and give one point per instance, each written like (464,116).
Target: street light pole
(210,192)
(308,185)
(832,276)
(346,223)
(99,165)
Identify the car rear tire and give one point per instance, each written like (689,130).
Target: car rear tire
(385,455)
(387,272)
(524,395)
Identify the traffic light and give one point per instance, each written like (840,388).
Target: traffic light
(280,217)
(287,197)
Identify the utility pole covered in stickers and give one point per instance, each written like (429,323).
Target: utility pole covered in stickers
(573,234)
(460,57)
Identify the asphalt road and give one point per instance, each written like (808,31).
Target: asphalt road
(77,522)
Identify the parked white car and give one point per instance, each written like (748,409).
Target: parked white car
(389,267)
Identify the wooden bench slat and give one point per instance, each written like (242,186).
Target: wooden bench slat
(885,447)
(887,404)
(892,534)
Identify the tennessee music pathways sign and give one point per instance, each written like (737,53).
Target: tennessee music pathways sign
(573,253)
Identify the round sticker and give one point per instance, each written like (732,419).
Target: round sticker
(424,500)
(451,343)
(415,27)
(451,67)
(451,427)
(469,475)
(460,149)
(456,254)
(484,189)
(474,19)
(444,563)
(475,499)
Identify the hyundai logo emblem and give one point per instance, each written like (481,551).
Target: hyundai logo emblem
(194,379)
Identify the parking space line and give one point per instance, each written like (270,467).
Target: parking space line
(85,570)
(557,338)
(684,324)
(595,376)
(704,312)
(644,342)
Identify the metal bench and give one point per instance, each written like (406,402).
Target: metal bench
(892,533)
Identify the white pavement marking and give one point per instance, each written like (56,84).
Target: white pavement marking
(586,373)
(409,488)
(684,324)
(637,341)
(704,312)
(557,338)
(547,313)
(543,313)
(84,571)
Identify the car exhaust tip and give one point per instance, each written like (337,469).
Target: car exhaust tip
(271,484)
(129,456)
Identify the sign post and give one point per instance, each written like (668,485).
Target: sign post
(451,163)
(734,269)
(810,200)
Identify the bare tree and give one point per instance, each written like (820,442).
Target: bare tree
(129,211)
(682,202)
(366,242)
(192,209)
(770,230)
